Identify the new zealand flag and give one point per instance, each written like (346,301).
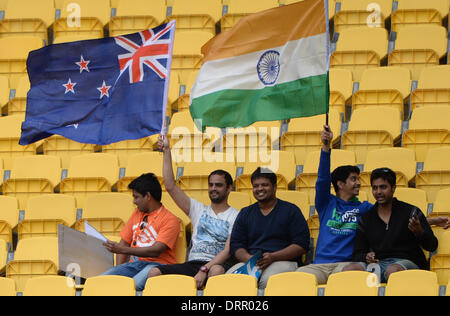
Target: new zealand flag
(100,91)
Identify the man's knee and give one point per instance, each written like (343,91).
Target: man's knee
(154,272)
(392,269)
(353,267)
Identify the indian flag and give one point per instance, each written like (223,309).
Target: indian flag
(273,65)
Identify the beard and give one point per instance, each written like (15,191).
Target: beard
(218,198)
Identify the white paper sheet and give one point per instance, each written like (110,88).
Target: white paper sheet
(91,231)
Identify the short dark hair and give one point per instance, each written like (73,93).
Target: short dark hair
(264,173)
(225,174)
(341,174)
(147,183)
(385,174)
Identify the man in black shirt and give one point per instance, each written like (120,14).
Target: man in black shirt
(392,233)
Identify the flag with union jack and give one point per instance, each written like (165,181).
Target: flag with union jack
(100,91)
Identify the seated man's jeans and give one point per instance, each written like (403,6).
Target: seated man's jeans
(138,270)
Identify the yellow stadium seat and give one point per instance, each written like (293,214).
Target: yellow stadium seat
(31,176)
(401,160)
(239,200)
(3,255)
(65,148)
(109,285)
(9,217)
(170,285)
(440,262)
(13,56)
(435,175)
(182,89)
(74,38)
(83,17)
(10,130)
(412,283)
(4,94)
(304,134)
(194,181)
(352,283)
(237,9)
(126,148)
(52,285)
(301,199)
(358,13)
(306,181)
(419,46)
(136,15)
(331,6)
(416,197)
(33,257)
(384,86)
(44,213)
(196,14)
(360,48)
(90,174)
(372,128)
(181,244)
(341,89)
(416,12)
(1,171)
(231,285)
(429,128)
(28,17)
(7,287)
(433,87)
(18,104)
(107,212)
(441,206)
(291,284)
(282,163)
(139,164)
(3,4)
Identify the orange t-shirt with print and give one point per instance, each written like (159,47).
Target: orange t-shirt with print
(143,230)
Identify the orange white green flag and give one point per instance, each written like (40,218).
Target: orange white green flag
(273,65)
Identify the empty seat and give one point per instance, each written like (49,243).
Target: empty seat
(383,86)
(180,89)
(435,175)
(9,217)
(372,128)
(306,181)
(4,93)
(301,199)
(352,283)
(360,48)
(65,148)
(433,88)
(231,285)
(412,283)
(33,257)
(356,13)
(419,46)
(441,205)
(282,163)
(417,12)
(90,174)
(126,148)
(109,285)
(401,160)
(27,17)
(52,285)
(136,15)
(236,10)
(13,56)
(3,255)
(93,16)
(10,130)
(341,89)
(429,128)
(304,134)
(31,176)
(239,200)
(440,261)
(44,213)
(18,104)
(7,287)
(416,197)
(196,14)
(291,284)
(170,285)
(107,212)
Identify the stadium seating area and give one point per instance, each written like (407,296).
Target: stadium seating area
(389,106)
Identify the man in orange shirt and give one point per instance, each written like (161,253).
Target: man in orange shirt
(149,236)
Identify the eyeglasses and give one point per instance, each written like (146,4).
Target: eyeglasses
(141,228)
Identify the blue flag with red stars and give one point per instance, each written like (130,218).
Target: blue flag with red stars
(100,91)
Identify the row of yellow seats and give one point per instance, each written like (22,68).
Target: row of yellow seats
(354,283)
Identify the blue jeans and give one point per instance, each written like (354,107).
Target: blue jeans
(386,263)
(138,270)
